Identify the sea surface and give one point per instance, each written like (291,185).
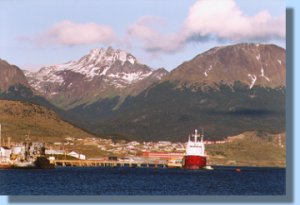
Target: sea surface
(143,181)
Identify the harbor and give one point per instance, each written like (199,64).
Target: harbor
(195,153)
(31,155)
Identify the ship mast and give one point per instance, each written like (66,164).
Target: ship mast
(196,135)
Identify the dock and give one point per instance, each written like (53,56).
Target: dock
(108,163)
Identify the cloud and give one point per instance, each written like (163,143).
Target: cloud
(70,34)
(146,33)
(224,20)
(208,20)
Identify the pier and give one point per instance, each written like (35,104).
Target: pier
(108,163)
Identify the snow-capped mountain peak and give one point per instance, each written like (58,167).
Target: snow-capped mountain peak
(98,62)
(108,56)
(100,69)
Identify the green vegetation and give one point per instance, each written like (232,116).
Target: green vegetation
(169,112)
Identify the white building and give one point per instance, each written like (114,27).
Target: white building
(164,143)
(77,155)
(18,150)
(54,152)
(5,152)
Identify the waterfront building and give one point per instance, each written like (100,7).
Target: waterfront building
(77,155)
(163,155)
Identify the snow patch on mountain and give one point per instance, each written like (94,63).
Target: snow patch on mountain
(104,71)
(253,80)
(258,57)
(207,71)
(279,61)
(49,74)
(131,59)
(158,75)
(130,77)
(263,74)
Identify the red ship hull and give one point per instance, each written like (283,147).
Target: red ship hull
(194,162)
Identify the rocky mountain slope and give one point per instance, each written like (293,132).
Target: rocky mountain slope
(102,73)
(250,64)
(10,75)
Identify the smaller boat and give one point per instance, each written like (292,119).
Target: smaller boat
(23,165)
(5,163)
(208,168)
(238,170)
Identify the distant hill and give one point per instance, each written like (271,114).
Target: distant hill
(20,120)
(250,149)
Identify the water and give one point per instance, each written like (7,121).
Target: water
(143,181)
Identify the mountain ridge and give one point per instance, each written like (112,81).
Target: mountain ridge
(222,97)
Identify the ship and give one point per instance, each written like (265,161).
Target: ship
(40,162)
(195,157)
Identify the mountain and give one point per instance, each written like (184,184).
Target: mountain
(102,73)
(10,75)
(226,90)
(20,119)
(250,64)
(242,90)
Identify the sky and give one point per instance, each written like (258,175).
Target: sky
(159,33)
